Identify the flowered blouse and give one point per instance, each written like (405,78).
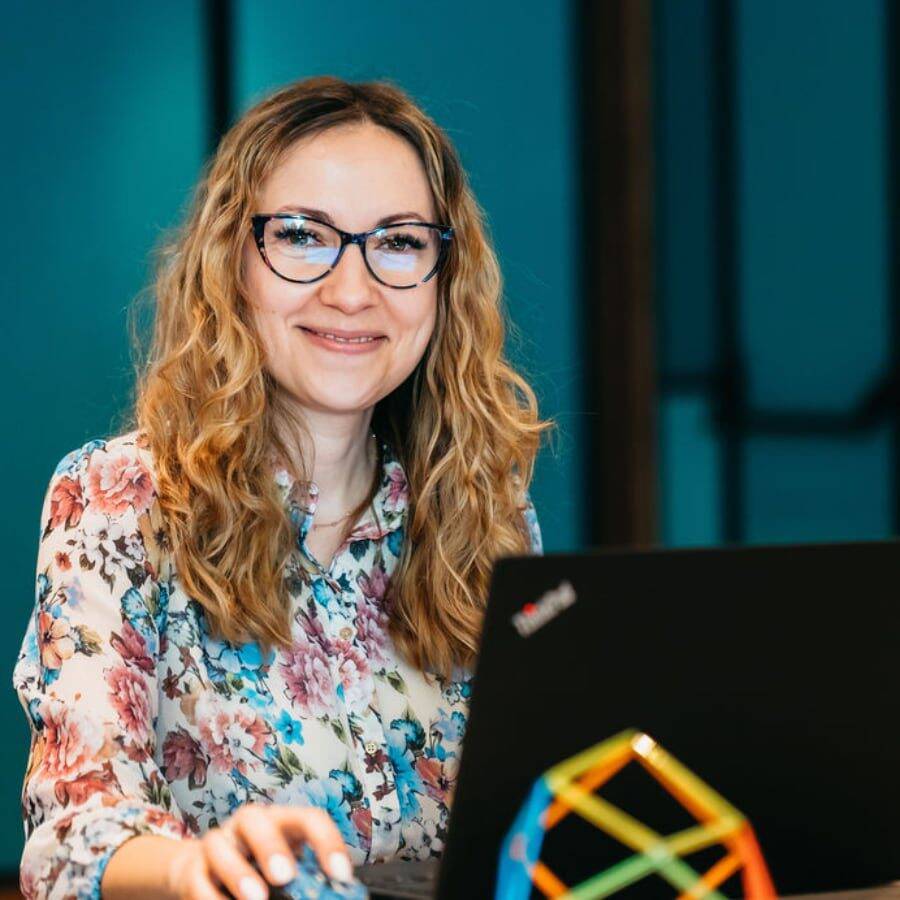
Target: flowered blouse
(141,722)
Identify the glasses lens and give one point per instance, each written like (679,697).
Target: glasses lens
(402,255)
(300,249)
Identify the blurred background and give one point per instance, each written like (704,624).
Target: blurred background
(694,203)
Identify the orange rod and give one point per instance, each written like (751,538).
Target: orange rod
(721,871)
(546,882)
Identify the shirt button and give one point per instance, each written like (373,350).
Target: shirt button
(371,748)
(346,633)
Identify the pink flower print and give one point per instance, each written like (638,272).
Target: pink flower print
(117,481)
(55,640)
(313,630)
(132,647)
(439,777)
(183,757)
(130,698)
(374,585)
(230,731)
(71,741)
(29,880)
(398,489)
(361,817)
(367,530)
(79,790)
(308,679)
(66,503)
(160,817)
(371,631)
(355,674)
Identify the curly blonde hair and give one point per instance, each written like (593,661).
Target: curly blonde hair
(464,424)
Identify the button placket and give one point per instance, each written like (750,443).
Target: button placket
(386,835)
(370,740)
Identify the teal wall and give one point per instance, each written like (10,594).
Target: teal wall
(808,192)
(108,104)
(107,111)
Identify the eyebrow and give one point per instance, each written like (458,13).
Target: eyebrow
(325,217)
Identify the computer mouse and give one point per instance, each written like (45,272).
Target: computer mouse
(312,883)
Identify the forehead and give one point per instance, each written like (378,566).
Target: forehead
(357,173)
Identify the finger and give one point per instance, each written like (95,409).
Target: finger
(258,831)
(231,867)
(316,827)
(198,885)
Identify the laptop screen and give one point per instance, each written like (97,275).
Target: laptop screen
(768,672)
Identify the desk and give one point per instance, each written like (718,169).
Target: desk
(392,881)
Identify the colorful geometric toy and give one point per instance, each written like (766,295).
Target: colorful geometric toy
(569,788)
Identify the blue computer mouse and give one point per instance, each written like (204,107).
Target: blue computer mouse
(311,883)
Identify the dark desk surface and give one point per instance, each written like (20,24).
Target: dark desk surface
(391,881)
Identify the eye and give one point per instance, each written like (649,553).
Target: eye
(401,242)
(295,235)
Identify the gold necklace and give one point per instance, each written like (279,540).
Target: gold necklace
(341,519)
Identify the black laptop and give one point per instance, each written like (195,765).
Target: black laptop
(770,672)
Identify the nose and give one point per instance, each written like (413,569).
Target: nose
(349,286)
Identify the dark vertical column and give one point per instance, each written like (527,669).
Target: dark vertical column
(731,384)
(892,111)
(614,92)
(219,41)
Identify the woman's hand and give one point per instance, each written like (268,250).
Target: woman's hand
(270,834)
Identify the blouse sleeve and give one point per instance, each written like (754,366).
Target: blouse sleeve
(86,676)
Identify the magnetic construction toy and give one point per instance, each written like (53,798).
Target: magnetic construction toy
(570,786)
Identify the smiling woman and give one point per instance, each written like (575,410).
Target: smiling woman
(257,608)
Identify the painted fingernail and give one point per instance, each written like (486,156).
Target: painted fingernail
(282,869)
(339,866)
(251,889)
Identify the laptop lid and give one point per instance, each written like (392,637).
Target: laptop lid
(769,671)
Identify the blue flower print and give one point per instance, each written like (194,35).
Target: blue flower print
(349,782)
(395,541)
(328,794)
(408,781)
(451,728)
(412,732)
(69,463)
(42,587)
(290,730)
(134,611)
(240,660)
(323,594)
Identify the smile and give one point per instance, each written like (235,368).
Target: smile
(332,341)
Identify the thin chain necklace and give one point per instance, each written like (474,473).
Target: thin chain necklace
(341,519)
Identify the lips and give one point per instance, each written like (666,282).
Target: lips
(352,337)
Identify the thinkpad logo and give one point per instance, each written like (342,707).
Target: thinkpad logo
(535,615)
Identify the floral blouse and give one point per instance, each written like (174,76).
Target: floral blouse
(141,722)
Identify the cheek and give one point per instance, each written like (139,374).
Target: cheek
(416,333)
(419,321)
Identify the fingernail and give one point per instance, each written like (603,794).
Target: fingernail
(339,866)
(251,889)
(282,868)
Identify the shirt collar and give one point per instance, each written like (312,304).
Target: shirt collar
(384,515)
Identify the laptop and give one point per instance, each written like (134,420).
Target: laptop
(770,672)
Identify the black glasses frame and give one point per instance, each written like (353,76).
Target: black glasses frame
(348,237)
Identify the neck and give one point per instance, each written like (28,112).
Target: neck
(341,455)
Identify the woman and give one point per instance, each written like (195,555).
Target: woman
(258,604)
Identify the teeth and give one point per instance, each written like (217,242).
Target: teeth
(359,340)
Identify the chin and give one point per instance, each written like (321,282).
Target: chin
(343,404)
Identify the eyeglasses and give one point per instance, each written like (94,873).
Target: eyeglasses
(303,249)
